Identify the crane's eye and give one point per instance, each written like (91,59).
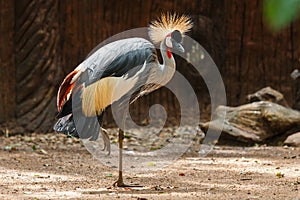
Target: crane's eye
(176,35)
(169,42)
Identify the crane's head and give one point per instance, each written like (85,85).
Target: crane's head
(170,28)
(173,40)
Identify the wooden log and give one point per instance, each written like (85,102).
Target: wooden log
(295,75)
(268,94)
(256,121)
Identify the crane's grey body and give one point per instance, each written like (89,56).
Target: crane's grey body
(111,74)
(135,61)
(119,58)
(134,64)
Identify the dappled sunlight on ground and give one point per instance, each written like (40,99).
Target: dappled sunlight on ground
(65,170)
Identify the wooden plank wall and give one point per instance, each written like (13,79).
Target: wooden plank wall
(42,41)
(255,57)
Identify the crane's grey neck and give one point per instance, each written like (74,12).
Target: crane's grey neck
(167,69)
(167,62)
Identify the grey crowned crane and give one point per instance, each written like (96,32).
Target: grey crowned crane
(112,73)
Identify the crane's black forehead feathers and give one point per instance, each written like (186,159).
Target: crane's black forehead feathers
(176,35)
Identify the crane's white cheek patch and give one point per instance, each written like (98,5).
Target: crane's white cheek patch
(104,92)
(169,42)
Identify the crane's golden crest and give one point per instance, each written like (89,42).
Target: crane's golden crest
(167,23)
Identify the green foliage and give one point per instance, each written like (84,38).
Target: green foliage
(280,13)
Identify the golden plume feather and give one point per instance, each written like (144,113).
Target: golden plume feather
(167,23)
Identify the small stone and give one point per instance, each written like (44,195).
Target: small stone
(293,140)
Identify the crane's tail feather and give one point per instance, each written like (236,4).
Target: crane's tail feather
(88,127)
(65,89)
(66,126)
(82,127)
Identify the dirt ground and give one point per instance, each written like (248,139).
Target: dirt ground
(52,166)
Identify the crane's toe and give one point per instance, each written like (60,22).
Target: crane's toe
(120,183)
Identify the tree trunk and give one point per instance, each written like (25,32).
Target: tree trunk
(37,63)
(7,68)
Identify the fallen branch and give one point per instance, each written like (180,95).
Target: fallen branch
(256,121)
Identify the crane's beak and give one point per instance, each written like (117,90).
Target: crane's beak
(178,47)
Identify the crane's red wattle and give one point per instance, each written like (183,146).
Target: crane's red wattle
(169,54)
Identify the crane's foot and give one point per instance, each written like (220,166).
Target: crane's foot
(120,183)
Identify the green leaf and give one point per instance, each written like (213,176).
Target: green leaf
(126,135)
(280,13)
(151,164)
(279,175)
(154,148)
(7,148)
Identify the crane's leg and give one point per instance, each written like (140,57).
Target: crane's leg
(119,182)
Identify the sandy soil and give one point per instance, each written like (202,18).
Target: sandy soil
(55,167)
